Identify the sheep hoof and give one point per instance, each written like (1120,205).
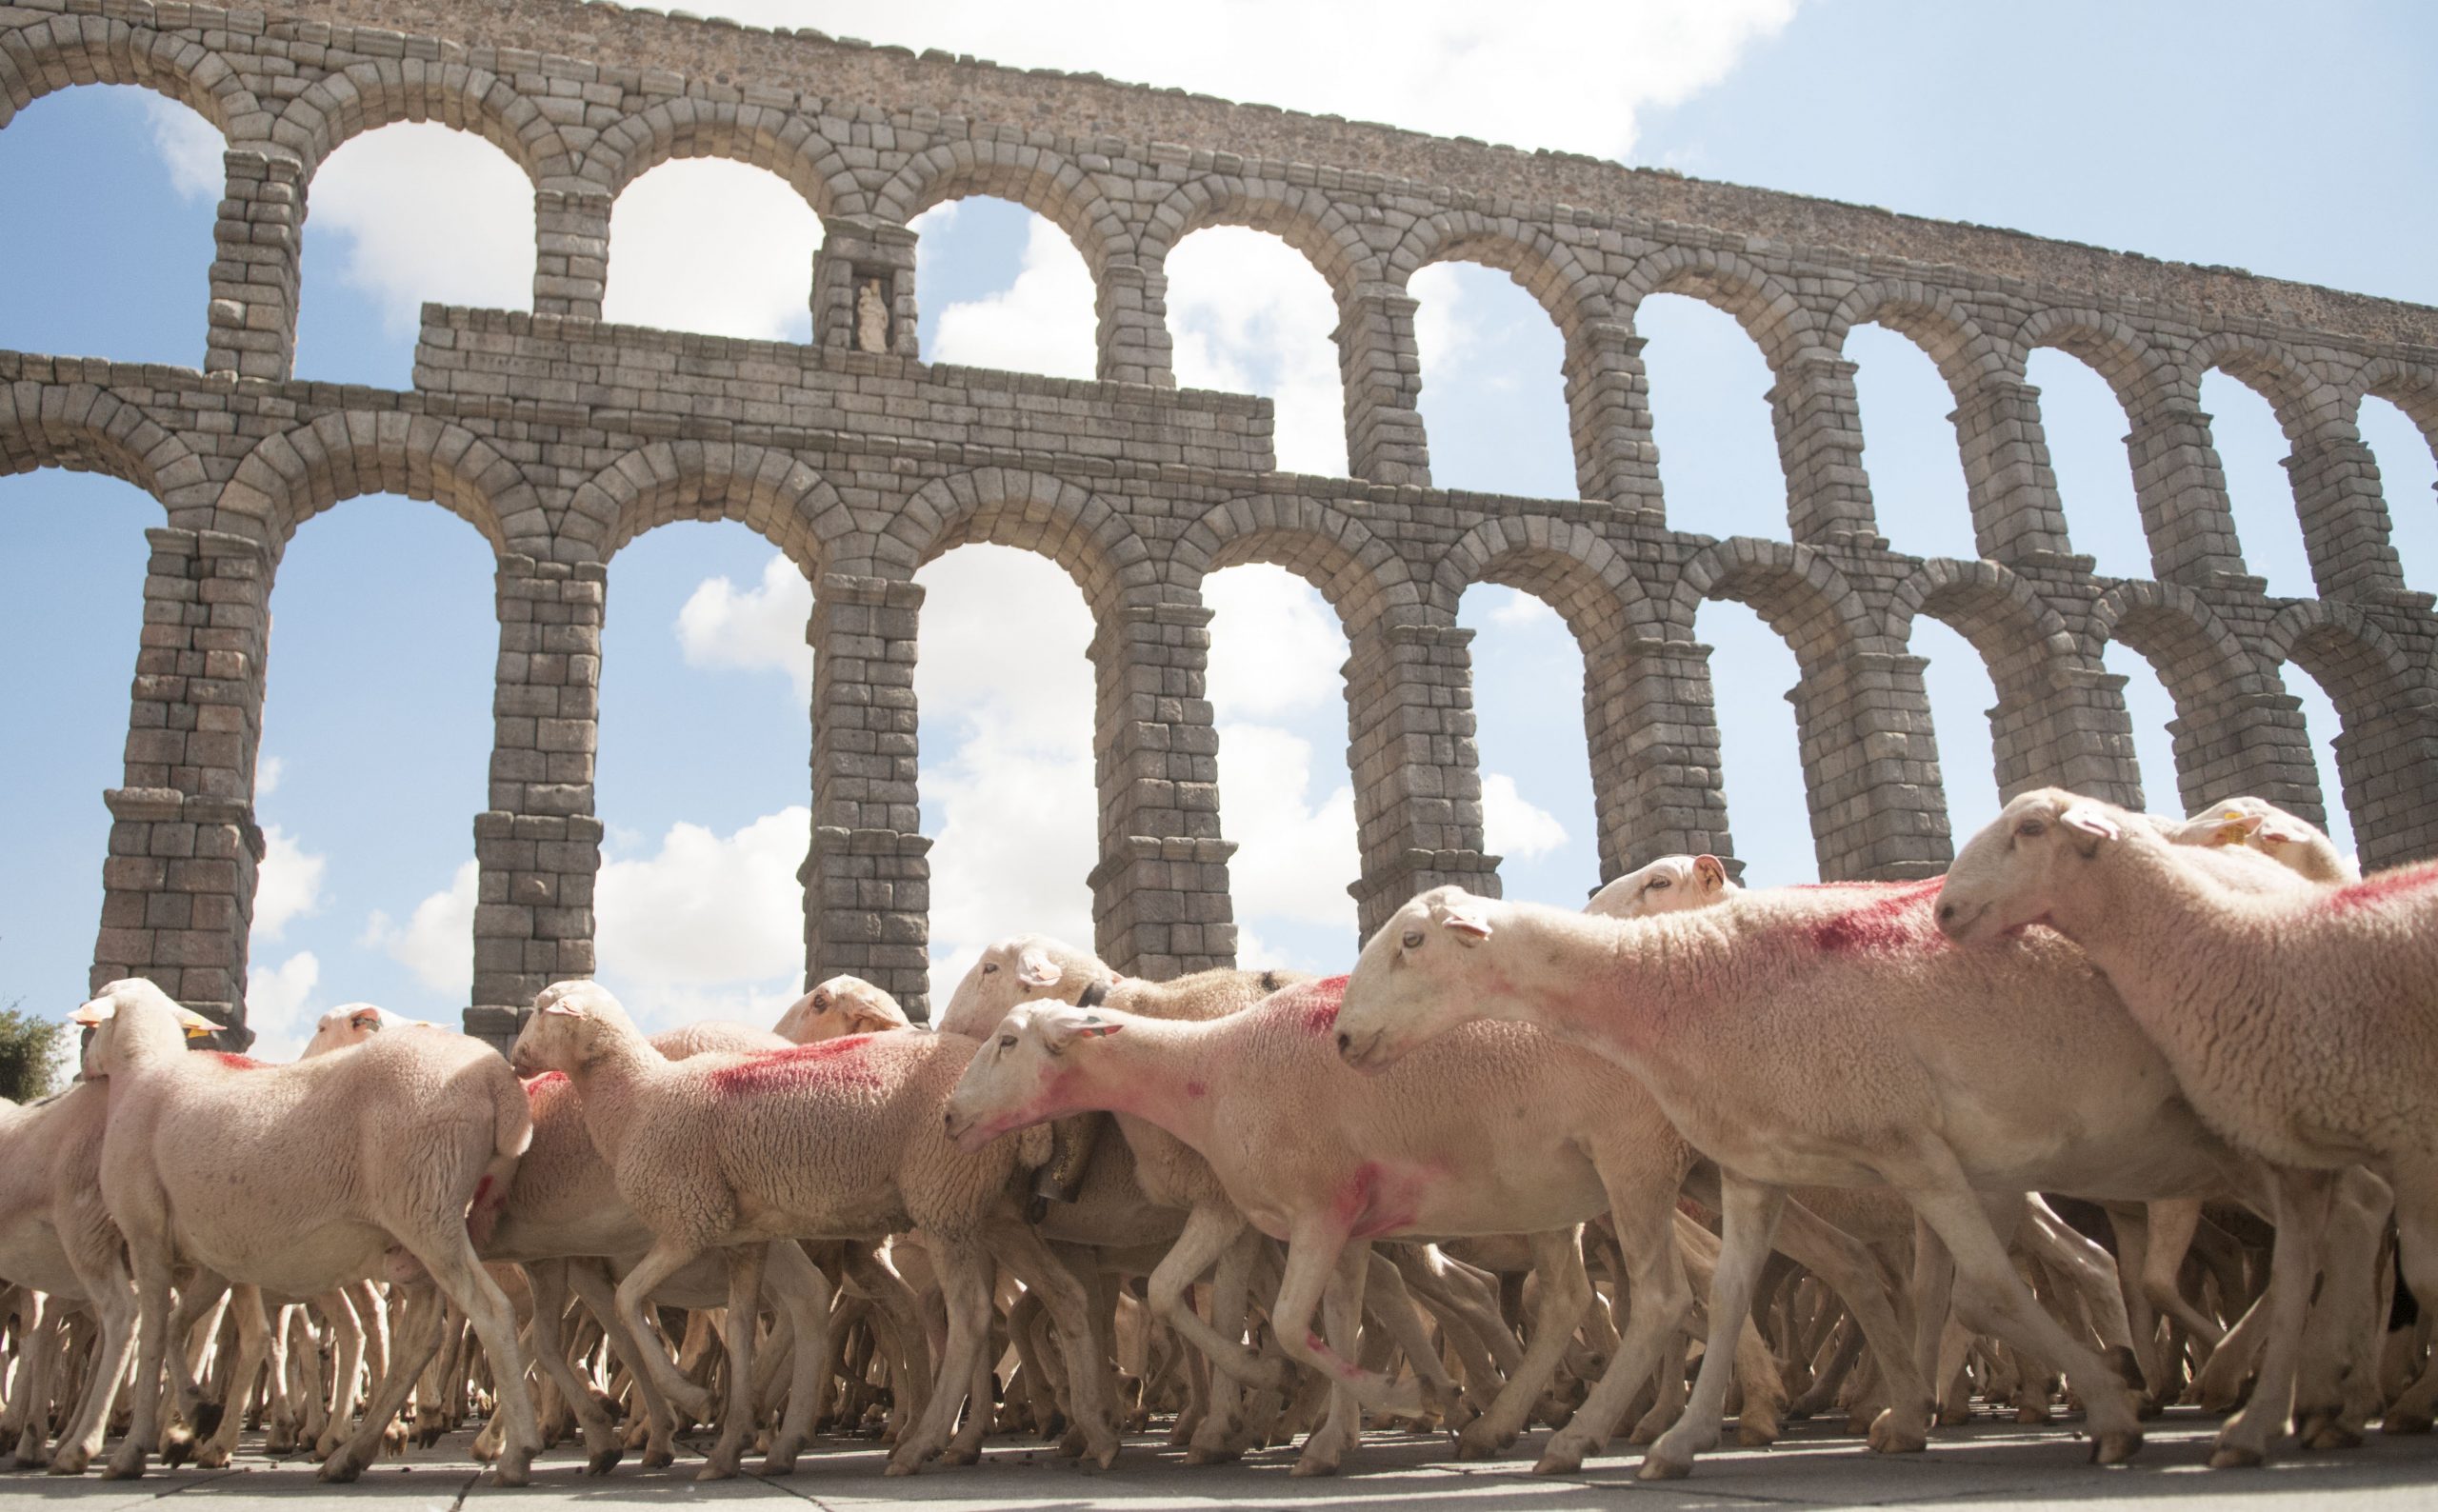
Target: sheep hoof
(1559,1458)
(1213,1454)
(1755,1435)
(212,1457)
(715,1470)
(1310,1467)
(2032,1416)
(512,1470)
(2405,1423)
(606,1460)
(2115,1448)
(1654,1467)
(70,1460)
(1888,1436)
(961,1454)
(1478,1443)
(340,1468)
(1105,1457)
(901,1467)
(779,1464)
(2331,1434)
(2236,1456)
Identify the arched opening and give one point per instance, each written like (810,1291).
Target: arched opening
(2151,709)
(1278,700)
(1709,414)
(1493,384)
(2323,723)
(1250,314)
(72,553)
(712,245)
(397,217)
(2084,426)
(700,779)
(1768,807)
(1538,814)
(375,759)
(1962,699)
(1910,447)
(2251,453)
(111,193)
(2408,479)
(998,286)
(1006,734)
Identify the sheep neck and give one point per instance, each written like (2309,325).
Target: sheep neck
(617,1063)
(1614,984)
(1151,1070)
(2151,922)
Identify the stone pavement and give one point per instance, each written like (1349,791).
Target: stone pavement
(1990,1463)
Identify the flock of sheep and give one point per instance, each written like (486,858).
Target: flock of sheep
(1462,1188)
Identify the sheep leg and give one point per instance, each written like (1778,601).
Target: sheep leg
(965,1274)
(803,1293)
(448,1256)
(416,1341)
(1219,1436)
(1211,1229)
(2172,1226)
(1021,1246)
(1845,1265)
(305,1347)
(1426,1278)
(152,1268)
(666,1258)
(1642,1209)
(590,1280)
(1565,1296)
(2333,1395)
(745,1266)
(1748,1211)
(2416,1198)
(549,1280)
(2301,1218)
(1341,1430)
(1400,1317)
(910,1366)
(109,1287)
(1313,1253)
(38,1321)
(2090,1273)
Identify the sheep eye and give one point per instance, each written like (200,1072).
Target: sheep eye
(1657,882)
(989,967)
(2031,829)
(1006,1042)
(1413,940)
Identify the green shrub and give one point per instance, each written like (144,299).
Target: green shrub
(31,1052)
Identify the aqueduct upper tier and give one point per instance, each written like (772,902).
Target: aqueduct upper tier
(560,438)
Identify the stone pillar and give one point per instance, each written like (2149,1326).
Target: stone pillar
(1653,733)
(1132,306)
(1160,901)
(863,288)
(1871,764)
(1820,444)
(178,888)
(1608,401)
(2070,732)
(2183,495)
(867,876)
(257,244)
(1382,369)
(537,847)
(2253,743)
(2016,514)
(2385,762)
(572,249)
(2343,514)
(1417,783)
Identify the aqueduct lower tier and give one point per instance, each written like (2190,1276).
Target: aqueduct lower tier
(560,438)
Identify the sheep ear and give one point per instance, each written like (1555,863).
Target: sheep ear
(2283,834)
(2085,818)
(195,1023)
(1035,969)
(1709,872)
(1468,923)
(564,1008)
(1058,1033)
(101,1010)
(366,1018)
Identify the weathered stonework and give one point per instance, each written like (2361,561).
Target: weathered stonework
(560,438)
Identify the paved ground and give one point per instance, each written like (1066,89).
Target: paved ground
(1989,1464)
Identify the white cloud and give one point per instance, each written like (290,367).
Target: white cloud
(1004,636)
(751,630)
(1247,314)
(1511,825)
(437,941)
(275,1006)
(707,917)
(1294,856)
(1444,334)
(190,146)
(1275,645)
(1534,74)
(427,213)
(287,885)
(708,245)
(1041,323)
(1521,610)
(268,772)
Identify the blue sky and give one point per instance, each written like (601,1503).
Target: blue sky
(2242,134)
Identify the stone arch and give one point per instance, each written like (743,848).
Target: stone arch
(66,51)
(779,140)
(1564,562)
(1360,575)
(2022,637)
(1549,270)
(2302,403)
(1030,510)
(365,96)
(1304,218)
(2108,346)
(2366,674)
(1034,177)
(1778,322)
(1947,334)
(777,496)
(1797,590)
(289,477)
(2410,386)
(2200,661)
(83,427)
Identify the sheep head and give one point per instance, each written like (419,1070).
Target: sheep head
(1026,1073)
(1423,974)
(1669,885)
(1019,968)
(841,1006)
(2290,839)
(2010,874)
(351,1023)
(133,1016)
(570,1019)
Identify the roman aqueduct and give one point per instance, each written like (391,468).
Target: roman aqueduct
(561,438)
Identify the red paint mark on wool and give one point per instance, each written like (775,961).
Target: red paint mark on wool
(235,1062)
(1896,918)
(822,1063)
(2372,892)
(548,1079)
(1195,1089)
(1373,1202)
(1314,1003)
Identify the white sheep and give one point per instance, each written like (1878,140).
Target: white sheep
(383,1149)
(842,1005)
(1665,885)
(57,1237)
(2287,839)
(2304,1027)
(1019,969)
(1826,1035)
